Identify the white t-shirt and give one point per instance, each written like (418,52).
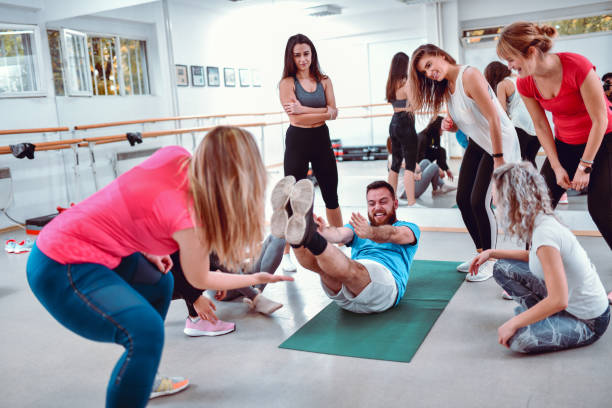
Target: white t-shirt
(587,298)
(467,116)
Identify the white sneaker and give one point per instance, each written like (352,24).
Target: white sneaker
(465,266)
(287,264)
(443,189)
(485,271)
(415,205)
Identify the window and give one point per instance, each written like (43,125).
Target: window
(103,62)
(481,35)
(573,26)
(583,25)
(114,65)
(76,63)
(20,61)
(134,64)
(55,50)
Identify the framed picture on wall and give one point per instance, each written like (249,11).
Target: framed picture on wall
(229,76)
(245,78)
(182,78)
(255,77)
(197,75)
(213,76)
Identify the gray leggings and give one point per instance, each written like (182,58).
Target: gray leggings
(430,174)
(268,261)
(557,332)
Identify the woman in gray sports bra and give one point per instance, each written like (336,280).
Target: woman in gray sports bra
(403,135)
(308,98)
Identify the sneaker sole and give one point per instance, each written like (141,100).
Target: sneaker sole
(478,278)
(170,392)
(200,333)
(302,200)
(279,198)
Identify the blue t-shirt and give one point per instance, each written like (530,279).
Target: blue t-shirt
(395,257)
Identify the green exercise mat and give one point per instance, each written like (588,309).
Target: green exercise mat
(394,335)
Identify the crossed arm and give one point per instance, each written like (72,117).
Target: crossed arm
(304,115)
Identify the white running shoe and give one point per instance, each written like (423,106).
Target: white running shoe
(465,266)
(287,264)
(485,271)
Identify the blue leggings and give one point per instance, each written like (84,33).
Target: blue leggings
(126,306)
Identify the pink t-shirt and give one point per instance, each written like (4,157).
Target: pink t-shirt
(137,212)
(570,116)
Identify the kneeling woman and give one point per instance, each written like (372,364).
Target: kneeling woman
(562,303)
(88,267)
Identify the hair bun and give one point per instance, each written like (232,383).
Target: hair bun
(547,30)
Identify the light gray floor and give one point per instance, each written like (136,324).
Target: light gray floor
(459,364)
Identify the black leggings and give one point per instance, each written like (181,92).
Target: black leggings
(404,141)
(600,183)
(312,145)
(474,196)
(529,146)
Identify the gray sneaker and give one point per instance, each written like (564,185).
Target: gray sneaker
(301,225)
(280,206)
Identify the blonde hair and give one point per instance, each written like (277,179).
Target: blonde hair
(517,38)
(522,194)
(426,93)
(227,184)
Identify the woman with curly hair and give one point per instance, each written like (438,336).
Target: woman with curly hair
(562,302)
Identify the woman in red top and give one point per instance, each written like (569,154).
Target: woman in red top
(565,84)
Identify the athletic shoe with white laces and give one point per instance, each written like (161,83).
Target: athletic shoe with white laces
(287,264)
(485,271)
(168,385)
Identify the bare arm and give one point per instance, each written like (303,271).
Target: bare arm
(504,90)
(476,87)
(595,103)
(545,136)
(519,254)
(554,302)
(382,233)
(330,98)
(195,264)
(290,104)
(335,235)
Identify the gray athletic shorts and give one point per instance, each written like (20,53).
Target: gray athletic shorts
(378,296)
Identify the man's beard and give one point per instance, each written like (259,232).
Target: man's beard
(388,220)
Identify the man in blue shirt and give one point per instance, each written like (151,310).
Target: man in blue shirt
(374,278)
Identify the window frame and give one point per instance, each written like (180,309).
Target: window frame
(68,69)
(37,60)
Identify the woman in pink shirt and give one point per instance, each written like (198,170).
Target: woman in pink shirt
(89,265)
(566,85)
